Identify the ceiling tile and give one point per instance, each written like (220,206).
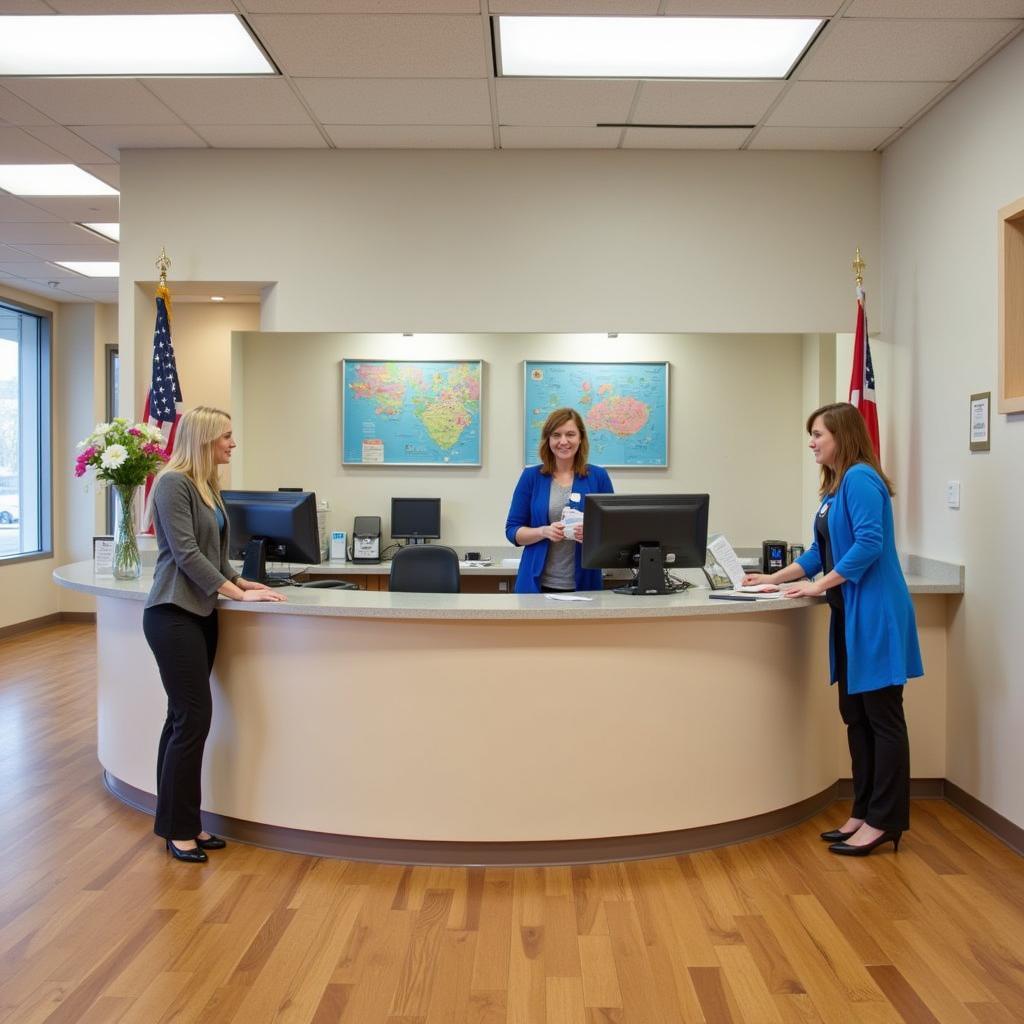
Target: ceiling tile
(37,270)
(262,136)
(573,137)
(24,7)
(853,104)
(553,101)
(231,100)
(753,8)
(363,6)
(46,251)
(370,46)
(14,110)
(473,136)
(100,209)
(820,138)
(935,9)
(18,211)
(18,147)
(901,51)
(68,143)
(74,101)
(578,7)
(704,102)
(684,138)
(143,6)
(18,232)
(398,101)
(112,138)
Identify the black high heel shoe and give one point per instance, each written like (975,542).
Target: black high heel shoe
(196,856)
(846,850)
(213,843)
(837,836)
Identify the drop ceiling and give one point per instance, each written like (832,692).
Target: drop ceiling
(418,74)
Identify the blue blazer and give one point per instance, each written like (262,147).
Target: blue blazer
(530,508)
(881,632)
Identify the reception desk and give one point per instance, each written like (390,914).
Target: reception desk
(491,728)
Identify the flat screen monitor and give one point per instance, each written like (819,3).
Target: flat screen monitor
(650,533)
(276,526)
(416,519)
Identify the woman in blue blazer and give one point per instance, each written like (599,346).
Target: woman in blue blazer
(550,561)
(873,643)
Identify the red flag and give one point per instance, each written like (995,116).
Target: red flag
(862,376)
(163,400)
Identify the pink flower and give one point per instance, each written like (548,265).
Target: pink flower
(80,469)
(134,432)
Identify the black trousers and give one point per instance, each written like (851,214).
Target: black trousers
(184,646)
(879,746)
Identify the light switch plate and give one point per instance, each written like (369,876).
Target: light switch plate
(952,494)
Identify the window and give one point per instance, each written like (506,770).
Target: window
(25,498)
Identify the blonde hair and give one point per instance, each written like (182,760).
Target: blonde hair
(853,444)
(193,452)
(547,458)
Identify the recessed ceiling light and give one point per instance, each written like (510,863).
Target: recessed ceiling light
(129,44)
(658,47)
(91,268)
(51,180)
(111,231)
(216,298)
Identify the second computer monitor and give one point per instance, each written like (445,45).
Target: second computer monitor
(646,532)
(415,519)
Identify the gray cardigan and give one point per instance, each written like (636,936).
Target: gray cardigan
(192,559)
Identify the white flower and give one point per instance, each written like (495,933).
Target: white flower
(149,431)
(102,428)
(114,456)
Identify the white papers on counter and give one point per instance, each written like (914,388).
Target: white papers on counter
(567,597)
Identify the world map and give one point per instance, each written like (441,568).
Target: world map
(411,413)
(624,405)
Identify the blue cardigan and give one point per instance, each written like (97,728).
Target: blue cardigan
(529,507)
(881,632)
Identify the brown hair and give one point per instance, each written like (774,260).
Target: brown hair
(853,444)
(551,424)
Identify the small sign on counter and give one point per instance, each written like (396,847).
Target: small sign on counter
(103,557)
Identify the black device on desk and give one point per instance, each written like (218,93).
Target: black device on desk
(416,519)
(366,540)
(773,555)
(279,526)
(650,533)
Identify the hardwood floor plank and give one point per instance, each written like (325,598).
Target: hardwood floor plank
(600,979)
(901,994)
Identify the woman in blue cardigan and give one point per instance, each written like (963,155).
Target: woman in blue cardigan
(873,636)
(550,561)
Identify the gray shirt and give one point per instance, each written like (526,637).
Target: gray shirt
(560,564)
(192,558)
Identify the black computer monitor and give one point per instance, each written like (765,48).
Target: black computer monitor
(415,519)
(276,526)
(650,533)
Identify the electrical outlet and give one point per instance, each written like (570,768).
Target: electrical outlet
(952,494)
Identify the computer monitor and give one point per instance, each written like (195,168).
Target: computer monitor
(415,519)
(650,533)
(279,526)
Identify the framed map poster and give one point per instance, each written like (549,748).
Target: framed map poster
(410,412)
(625,407)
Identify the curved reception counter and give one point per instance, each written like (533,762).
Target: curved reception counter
(492,728)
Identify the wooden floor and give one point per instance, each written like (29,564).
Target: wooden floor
(97,924)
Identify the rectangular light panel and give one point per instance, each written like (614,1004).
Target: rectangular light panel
(129,44)
(111,231)
(658,47)
(51,180)
(92,268)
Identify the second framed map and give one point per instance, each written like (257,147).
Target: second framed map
(410,412)
(625,407)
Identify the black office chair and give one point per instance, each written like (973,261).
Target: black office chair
(425,569)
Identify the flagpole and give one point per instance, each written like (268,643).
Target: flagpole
(859,266)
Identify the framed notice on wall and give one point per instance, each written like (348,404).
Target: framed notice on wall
(624,405)
(411,412)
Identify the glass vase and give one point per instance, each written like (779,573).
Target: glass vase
(127,563)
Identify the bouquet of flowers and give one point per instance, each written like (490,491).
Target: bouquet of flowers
(122,455)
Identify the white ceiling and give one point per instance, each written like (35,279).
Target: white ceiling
(418,74)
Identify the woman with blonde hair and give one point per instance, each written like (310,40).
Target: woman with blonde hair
(873,642)
(180,617)
(551,561)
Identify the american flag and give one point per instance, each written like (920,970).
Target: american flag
(862,376)
(163,402)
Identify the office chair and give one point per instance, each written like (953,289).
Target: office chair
(425,569)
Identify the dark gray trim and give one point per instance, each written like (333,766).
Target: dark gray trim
(1002,828)
(31,625)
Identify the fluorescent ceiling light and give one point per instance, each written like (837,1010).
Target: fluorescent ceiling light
(129,44)
(216,298)
(658,47)
(51,180)
(111,231)
(90,268)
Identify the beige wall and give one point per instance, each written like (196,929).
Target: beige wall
(722,440)
(942,185)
